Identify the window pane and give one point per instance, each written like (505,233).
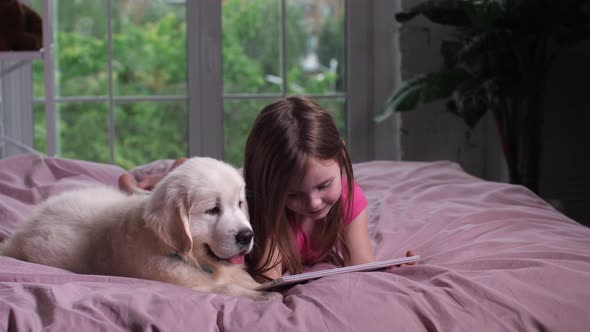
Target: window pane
(39,128)
(148,131)
(251,46)
(320,65)
(80,49)
(337,108)
(38,83)
(83,131)
(149,46)
(238,118)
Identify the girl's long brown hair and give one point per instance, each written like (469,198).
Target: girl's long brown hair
(285,135)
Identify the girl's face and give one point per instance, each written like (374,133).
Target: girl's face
(319,191)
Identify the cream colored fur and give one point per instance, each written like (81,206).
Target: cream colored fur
(103,231)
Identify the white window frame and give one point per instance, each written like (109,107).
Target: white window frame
(205,103)
(372,69)
(372,73)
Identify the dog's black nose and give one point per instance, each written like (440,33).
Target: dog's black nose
(244,237)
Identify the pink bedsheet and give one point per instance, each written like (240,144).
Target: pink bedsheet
(495,258)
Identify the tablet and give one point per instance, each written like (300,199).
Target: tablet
(298,278)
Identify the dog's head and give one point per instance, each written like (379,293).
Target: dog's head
(201,207)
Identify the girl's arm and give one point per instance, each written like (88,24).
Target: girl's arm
(358,241)
(275,272)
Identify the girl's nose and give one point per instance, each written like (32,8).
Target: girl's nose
(314,202)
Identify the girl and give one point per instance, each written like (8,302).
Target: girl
(305,206)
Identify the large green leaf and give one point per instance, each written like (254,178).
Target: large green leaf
(424,89)
(406,97)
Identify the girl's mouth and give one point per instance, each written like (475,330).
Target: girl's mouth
(318,211)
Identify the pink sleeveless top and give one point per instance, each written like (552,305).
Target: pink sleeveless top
(302,241)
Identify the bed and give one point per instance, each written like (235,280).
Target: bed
(495,257)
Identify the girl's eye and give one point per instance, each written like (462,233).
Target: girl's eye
(324,186)
(240,204)
(213,211)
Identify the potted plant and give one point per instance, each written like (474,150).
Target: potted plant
(497,59)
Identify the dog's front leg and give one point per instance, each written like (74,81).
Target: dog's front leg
(233,282)
(234,275)
(235,290)
(244,280)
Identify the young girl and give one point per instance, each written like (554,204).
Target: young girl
(305,206)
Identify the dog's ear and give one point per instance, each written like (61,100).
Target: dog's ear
(167,215)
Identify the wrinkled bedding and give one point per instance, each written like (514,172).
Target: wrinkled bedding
(495,258)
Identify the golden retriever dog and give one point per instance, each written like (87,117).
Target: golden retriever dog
(192,230)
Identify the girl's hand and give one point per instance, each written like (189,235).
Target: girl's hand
(150,181)
(409,253)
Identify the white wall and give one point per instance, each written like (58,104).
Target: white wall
(429,132)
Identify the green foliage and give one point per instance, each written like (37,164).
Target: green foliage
(251,48)
(148,131)
(333,47)
(238,118)
(149,59)
(426,87)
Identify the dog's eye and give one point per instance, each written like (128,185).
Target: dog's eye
(213,211)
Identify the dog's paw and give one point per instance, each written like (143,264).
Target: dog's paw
(273,296)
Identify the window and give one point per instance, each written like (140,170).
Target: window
(144,80)
(120,81)
(290,47)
